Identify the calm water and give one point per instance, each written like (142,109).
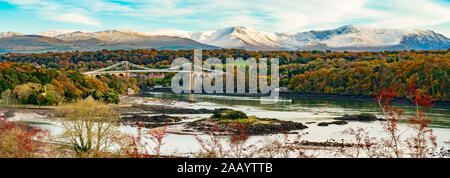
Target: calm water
(295,109)
(301,109)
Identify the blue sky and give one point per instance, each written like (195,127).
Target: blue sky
(33,16)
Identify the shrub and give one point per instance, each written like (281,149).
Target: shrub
(136,146)
(111,97)
(20,140)
(218,146)
(88,126)
(235,145)
(421,144)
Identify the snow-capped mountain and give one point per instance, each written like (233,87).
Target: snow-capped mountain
(53,33)
(232,37)
(106,36)
(237,37)
(426,40)
(346,36)
(170,32)
(352,36)
(349,37)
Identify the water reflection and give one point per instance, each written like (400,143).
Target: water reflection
(440,115)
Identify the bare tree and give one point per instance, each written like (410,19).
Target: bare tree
(89,126)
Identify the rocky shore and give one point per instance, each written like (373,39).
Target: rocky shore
(154,112)
(10,111)
(136,110)
(236,122)
(208,127)
(153,115)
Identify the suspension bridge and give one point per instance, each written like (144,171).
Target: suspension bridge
(128,69)
(125,69)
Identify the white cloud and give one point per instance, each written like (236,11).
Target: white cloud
(413,13)
(59,12)
(292,16)
(296,15)
(268,15)
(75,17)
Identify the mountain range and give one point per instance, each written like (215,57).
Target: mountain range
(349,37)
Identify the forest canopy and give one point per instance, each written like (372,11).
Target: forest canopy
(28,84)
(324,72)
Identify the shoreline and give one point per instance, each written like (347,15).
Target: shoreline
(314,96)
(315,138)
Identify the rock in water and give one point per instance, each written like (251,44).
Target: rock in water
(339,122)
(334,122)
(222,121)
(359,117)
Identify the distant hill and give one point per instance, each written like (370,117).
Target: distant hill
(36,43)
(349,37)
